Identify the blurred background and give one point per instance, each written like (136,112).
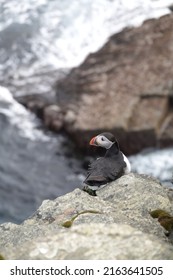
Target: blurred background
(70,70)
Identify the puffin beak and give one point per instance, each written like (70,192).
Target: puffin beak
(93,141)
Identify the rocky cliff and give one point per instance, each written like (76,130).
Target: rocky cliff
(115,224)
(126,88)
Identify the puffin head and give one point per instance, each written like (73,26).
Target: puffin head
(104,140)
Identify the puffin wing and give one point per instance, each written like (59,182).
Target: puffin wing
(104,170)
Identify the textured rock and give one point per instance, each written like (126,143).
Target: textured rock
(94,241)
(53,117)
(107,226)
(126,88)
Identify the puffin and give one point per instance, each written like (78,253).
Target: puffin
(106,169)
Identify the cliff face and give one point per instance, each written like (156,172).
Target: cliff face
(126,87)
(116,224)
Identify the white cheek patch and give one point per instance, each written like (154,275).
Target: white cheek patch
(104,143)
(127,169)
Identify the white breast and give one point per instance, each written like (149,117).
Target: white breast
(127,169)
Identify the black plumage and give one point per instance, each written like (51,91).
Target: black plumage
(107,168)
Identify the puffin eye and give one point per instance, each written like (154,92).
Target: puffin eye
(102,139)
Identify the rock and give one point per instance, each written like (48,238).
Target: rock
(53,117)
(35,103)
(116,224)
(125,88)
(166,131)
(94,241)
(69,118)
(46,109)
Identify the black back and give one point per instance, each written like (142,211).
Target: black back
(107,168)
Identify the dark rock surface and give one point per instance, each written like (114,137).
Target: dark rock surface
(116,224)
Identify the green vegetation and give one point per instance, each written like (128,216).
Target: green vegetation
(69,223)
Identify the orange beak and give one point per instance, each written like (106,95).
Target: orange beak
(93,141)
